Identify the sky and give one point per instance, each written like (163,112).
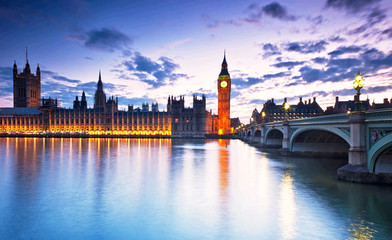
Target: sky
(148,50)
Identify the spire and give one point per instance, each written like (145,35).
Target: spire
(83,95)
(224,65)
(15,68)
(99,85)
(224,58)
(27,68)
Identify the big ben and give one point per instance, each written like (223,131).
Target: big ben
(224,89)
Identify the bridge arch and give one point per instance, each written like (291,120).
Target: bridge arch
(377,155)
(257,133)
(274,137)
(320,139)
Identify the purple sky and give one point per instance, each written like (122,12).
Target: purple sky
(148,50)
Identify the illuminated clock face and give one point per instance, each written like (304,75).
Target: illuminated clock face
(223,84)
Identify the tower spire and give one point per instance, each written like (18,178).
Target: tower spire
(27,68)
(224,65)
(99,85)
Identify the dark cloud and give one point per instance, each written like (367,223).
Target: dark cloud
(288,64)
(145,64)
(345,63)
(351,5)
(306,47)
(270,50)
(376,89)
(374,17)
(336,39)
(245,82)
(343,49)
(375,64)
(6,83)
(55,76)
(155,73)
(370,61)
(103,39)
(320,60)
(387,32)
(257,101)
(107,39)
(316,20)
(274,10)
(275,75)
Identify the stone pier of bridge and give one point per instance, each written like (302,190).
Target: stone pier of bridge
(365,138)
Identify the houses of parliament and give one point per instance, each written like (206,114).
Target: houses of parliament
(32,114)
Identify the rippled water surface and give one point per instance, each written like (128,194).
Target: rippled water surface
(179,189)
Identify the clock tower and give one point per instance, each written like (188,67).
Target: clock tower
(224,89)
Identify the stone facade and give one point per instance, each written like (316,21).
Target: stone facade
(106,119)
(274,112)
(27,86)
(224,89)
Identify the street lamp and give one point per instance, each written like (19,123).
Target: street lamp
(286,107)
(358,84)
(263,116)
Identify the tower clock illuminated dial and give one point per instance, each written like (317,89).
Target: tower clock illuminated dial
(223,84)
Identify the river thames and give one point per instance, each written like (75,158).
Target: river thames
(179,189)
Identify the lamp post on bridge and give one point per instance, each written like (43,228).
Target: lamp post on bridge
(286,107)
(358,84)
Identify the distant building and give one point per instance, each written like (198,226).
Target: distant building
(33,115)
(273,112)
(385,104)
(344,106)
(27,86)
(188,122)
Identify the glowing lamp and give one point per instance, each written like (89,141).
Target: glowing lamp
(286,106)
(357,85)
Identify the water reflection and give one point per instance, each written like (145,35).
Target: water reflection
(179,189)
(362,230)
(287,207)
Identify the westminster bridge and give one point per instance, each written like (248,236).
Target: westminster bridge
(366,137)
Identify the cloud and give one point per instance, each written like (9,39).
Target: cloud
(374,17)
(376,89)
(154,73)
(275,75)
(320,60)
(343,49)
(387,32)
(345,63)
(352,6)
(246,82)
(270,50)
(273,10)
(103,39)
(55,76)
(6,83)
(145,64)
(336,39)
(307,46)
(288,64)
(316,20)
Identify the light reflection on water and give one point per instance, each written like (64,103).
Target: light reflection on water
(179,189)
